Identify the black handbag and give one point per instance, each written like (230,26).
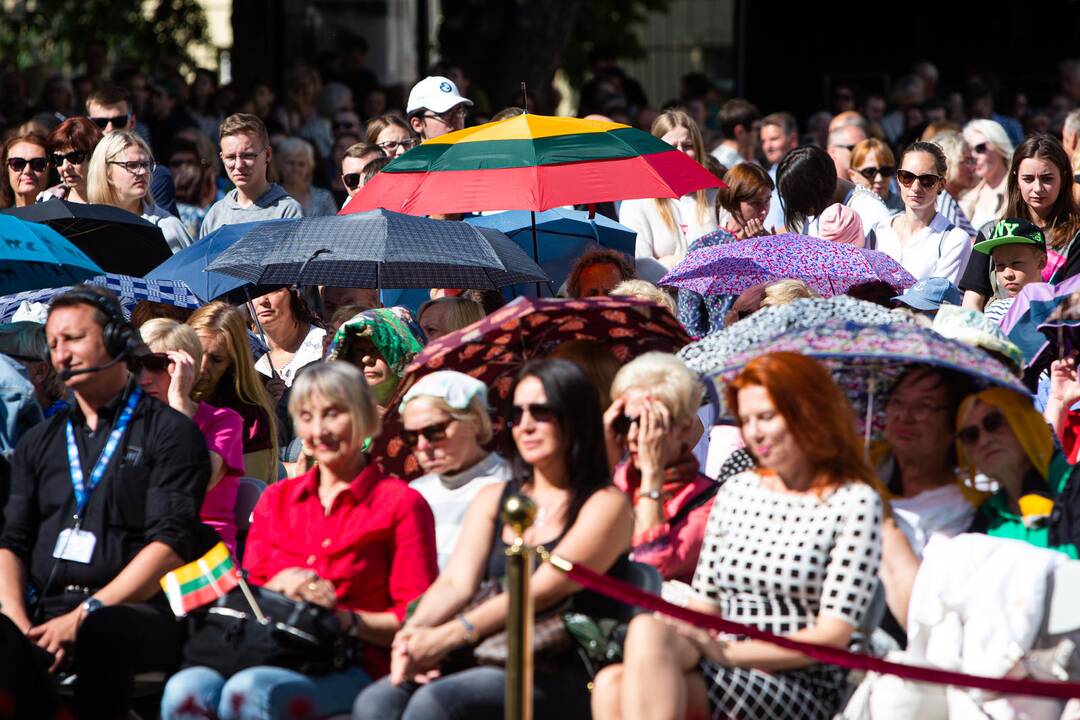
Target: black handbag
(228,637)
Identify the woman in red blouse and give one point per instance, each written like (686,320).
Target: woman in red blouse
(655,399)
(342,535)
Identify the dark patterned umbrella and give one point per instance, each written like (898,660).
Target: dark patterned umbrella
(494,349)
(376,249)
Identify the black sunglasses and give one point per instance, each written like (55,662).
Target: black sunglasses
(870,173)
(352,180)
(539,412)
(36,164)
(926,181)
(117,121)
(154,362)
(981,149)
(75,157)
(622,424)
(432,433)
(969,435)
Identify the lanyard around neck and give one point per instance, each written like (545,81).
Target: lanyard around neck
(82,487)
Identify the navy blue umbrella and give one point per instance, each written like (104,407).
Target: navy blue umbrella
(189,267)
(376,249)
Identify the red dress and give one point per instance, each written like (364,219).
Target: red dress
(376,544)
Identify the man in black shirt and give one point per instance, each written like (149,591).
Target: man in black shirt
(104,500)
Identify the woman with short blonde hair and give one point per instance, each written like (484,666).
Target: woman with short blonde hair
(120,173)
(645,290)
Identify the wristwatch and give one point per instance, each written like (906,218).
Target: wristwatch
(656,495)
(91,605)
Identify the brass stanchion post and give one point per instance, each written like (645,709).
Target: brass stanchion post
(519,512)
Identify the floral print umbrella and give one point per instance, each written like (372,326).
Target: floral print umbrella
(494,349)
(867,359)
(829,268)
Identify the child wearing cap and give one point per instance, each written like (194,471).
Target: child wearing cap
(1017,250)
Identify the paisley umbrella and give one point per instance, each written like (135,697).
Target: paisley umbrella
(867,359)
(829,268)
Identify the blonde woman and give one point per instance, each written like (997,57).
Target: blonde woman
(666,227)
(119,175)
(446,314)
(993,153)
(227,379)
(645,290)
(295,161)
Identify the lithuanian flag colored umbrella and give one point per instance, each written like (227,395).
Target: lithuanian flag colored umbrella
(532,162)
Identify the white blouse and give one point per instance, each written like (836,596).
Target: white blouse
(938,250)
(654,238)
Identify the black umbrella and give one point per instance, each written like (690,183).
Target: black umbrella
(119,241)
(376,249)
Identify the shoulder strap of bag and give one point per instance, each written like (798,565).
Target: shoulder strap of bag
(693,504)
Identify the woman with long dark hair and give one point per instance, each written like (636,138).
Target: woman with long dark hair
(1040,189)
(558,461)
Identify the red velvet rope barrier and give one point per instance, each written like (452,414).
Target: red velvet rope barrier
(630,595)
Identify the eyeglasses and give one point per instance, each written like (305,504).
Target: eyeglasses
(448,117)
(117,121)
(135,167)
(36,164)
(870,173)
(981,149)
(539,412)
(918,411)
(432,433)
(154,362)
(622,424)
(969,435)
(344,125)
(391,145)
(927,181)
(75,157)
(352,180)
(246,158)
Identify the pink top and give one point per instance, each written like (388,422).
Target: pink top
(673,550)
(223,430)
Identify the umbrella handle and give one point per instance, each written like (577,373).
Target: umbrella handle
(871,387)
(262,335)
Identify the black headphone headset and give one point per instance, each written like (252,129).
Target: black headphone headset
(121,338)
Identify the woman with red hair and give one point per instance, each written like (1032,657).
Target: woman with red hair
(70,146)
(791,547)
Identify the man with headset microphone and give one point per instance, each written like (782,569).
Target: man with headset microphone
(104,500)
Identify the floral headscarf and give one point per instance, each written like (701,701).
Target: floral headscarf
(393,331)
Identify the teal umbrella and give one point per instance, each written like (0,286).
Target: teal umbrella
(34,256)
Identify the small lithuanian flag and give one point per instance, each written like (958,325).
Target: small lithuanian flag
(201,582)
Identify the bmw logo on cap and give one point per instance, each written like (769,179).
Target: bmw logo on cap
(445,87)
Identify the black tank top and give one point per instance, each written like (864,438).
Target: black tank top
(496,565)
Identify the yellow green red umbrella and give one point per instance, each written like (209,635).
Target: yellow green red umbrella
(532,162)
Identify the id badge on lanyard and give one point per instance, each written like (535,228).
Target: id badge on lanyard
(76,544)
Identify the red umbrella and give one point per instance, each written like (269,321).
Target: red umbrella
(495,349)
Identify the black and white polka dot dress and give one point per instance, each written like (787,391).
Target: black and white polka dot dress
(777,561)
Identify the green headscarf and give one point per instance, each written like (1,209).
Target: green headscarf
(394,334)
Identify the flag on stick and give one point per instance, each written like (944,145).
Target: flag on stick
(201,582)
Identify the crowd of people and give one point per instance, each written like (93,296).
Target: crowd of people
(130,443)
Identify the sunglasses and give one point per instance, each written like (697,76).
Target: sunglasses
(969,435)
(154,362)
(622,424)
(539,412)
(886,171)
(36,164)
(981,149)
(352,180)
(117,121)
(432,433)
(926,181)
(75,157)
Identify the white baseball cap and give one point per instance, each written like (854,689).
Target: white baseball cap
(434,93)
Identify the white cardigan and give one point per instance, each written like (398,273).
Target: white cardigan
(654,238)
(939,250)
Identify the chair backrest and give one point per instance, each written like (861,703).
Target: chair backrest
(642,576)
(246,496)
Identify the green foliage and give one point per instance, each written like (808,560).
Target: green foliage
(611,24)
(57,33)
